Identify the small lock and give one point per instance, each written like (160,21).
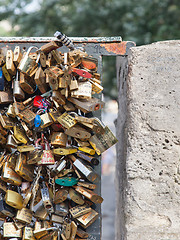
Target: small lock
(87,150)
(73,230)
(9,62)
(17,55)
(97,88)
(66,120)
(41,212)
(47,201)
(34,156)
(79,210)
(64,151)
(28,116)
(46,120)
(55,218)
(20,135)
(10,176)
(87,185)
(6,73)
(14,199)
(60,196)
(89,194)
(89,63)
(47,157)
(6,209)
(102,141)
(42,59)
(84,91)
(90,159)
(82,234)
(28,65)
(76,197)
(27,83)
(78,132)
(10,231)
(28,233)
(11,111)
(58,97)
(40,80)
(17,91)
(58,139)
(24,215)
(52,45)
(40,233)
(66,181)
(87,219)
(61,209)
(57,56)
(6,121)
(6,97)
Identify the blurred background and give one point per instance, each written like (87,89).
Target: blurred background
(142,21)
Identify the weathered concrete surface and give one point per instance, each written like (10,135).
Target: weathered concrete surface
(148,163)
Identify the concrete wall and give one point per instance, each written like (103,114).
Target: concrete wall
(148,152)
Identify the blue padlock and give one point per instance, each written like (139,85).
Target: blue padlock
(66,181)
(1,80)
(37,121)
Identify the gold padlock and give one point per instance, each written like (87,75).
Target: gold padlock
(6,122)
(64,151)
(40,80)
(10,176)
(60,195)
(20,135)
(89,194)
(12,142)
(6,73)
(58,139)
(42,59)
(58,97)
(6,97)
(82,234)
(11,112)
(57,219)
(14,199)
(28,233)
(24,170)
(69,107)
(57,56)
(66,120)
(75,196)
(34,156)
(17,55)
(25,148)
(78,132)
(40,233)
(46,120)
(87,219)
(84,91)
(28,116)
(3,186)
(79,210)
(52,45)
(87,185)
(87,150)
(97,88)
(27,83)
(41,212)
(9,62)
(24,215)
(10,231)
(28,65)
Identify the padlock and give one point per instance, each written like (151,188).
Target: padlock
(82,234)
(28,116)
(3,186)
(46,224)
(55,218)
(2,56)
(66,181)
(10,231)
(90,159)
(47,201)
(87,185)
(9,62)
(75,196)
(1,80)
(20,135)
(11,112)
(69,107)
(27,65)
(27,197)
(78,132)
(79,210)
(48,47)
(58,97)
(11,159)
(24,215)
(55,114)
(57,56)
(19,225)
(97,88)
(89,194)
(86,170)
(89,63)
(73,230)
(84,91)
(25,148)
(102,141)
(87,219)
(40,233)
(23,169)
(82,73)
(66,229)
(64,172)
(42,59)
(74,59)
(47,157)
(46,120)
(64,151)
(89,105)
(61,209)
(6,73)
(62,82)
(14,199)
(17,90)
(49,63)
(6,121)
(6,209)
(3,158)
(27,83)
(87,150)
(41,212)
(54,73)
(6,97)
(66,120)
(60,195)
(58,139)
(10,176)
(26,129)
(34,156)
(74,85)
(28,233)
(17,55)
(40,80)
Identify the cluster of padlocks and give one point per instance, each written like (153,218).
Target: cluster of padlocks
(50,141)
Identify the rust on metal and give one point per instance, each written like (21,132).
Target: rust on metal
(117,48)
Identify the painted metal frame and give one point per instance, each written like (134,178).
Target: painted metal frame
(96,47)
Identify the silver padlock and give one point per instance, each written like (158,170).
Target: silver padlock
(17,91)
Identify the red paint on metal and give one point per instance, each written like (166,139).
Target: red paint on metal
(117,48)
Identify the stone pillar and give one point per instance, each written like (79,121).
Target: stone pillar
(148,152)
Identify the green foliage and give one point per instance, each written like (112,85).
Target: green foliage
(142,21)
